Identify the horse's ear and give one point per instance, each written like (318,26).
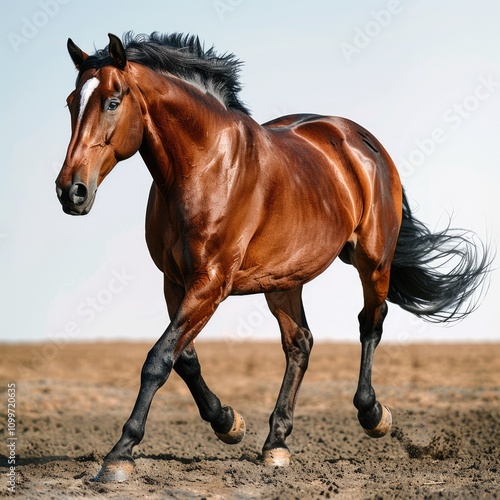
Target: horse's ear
(117,51)
(77,55)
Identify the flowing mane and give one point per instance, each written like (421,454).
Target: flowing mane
(185,57)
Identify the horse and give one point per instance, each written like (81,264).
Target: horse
(240,208)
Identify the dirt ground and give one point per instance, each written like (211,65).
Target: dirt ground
(72,400)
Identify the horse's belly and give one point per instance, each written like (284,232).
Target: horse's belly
(268,268)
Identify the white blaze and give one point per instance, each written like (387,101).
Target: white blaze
(88,87)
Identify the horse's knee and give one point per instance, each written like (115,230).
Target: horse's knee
(189,369)
(156,368)
(188,366)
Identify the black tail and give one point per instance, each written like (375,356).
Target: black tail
(435,275)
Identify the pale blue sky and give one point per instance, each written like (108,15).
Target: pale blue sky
(423,76)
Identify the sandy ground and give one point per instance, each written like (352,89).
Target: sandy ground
(72,400)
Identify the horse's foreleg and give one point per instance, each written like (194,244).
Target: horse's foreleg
(196,308)
(297,343)
(227,424)
(375,419)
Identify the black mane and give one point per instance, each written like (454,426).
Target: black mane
(183,56)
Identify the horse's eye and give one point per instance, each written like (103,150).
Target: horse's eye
(112,105)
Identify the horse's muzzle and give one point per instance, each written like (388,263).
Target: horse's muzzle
(75,198)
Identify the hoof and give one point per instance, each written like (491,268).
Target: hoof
(384,426)
(277,457)
(116,472)
(237,432)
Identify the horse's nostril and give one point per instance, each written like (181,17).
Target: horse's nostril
(78,193)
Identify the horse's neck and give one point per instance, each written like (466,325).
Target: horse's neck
(182,126)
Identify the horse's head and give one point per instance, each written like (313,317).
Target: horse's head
(106,125)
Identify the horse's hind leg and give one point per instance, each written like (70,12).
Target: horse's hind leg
(297,343)
(375,419)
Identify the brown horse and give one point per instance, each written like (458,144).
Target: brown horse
(241,208)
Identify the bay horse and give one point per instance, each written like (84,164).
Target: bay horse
(241,208)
